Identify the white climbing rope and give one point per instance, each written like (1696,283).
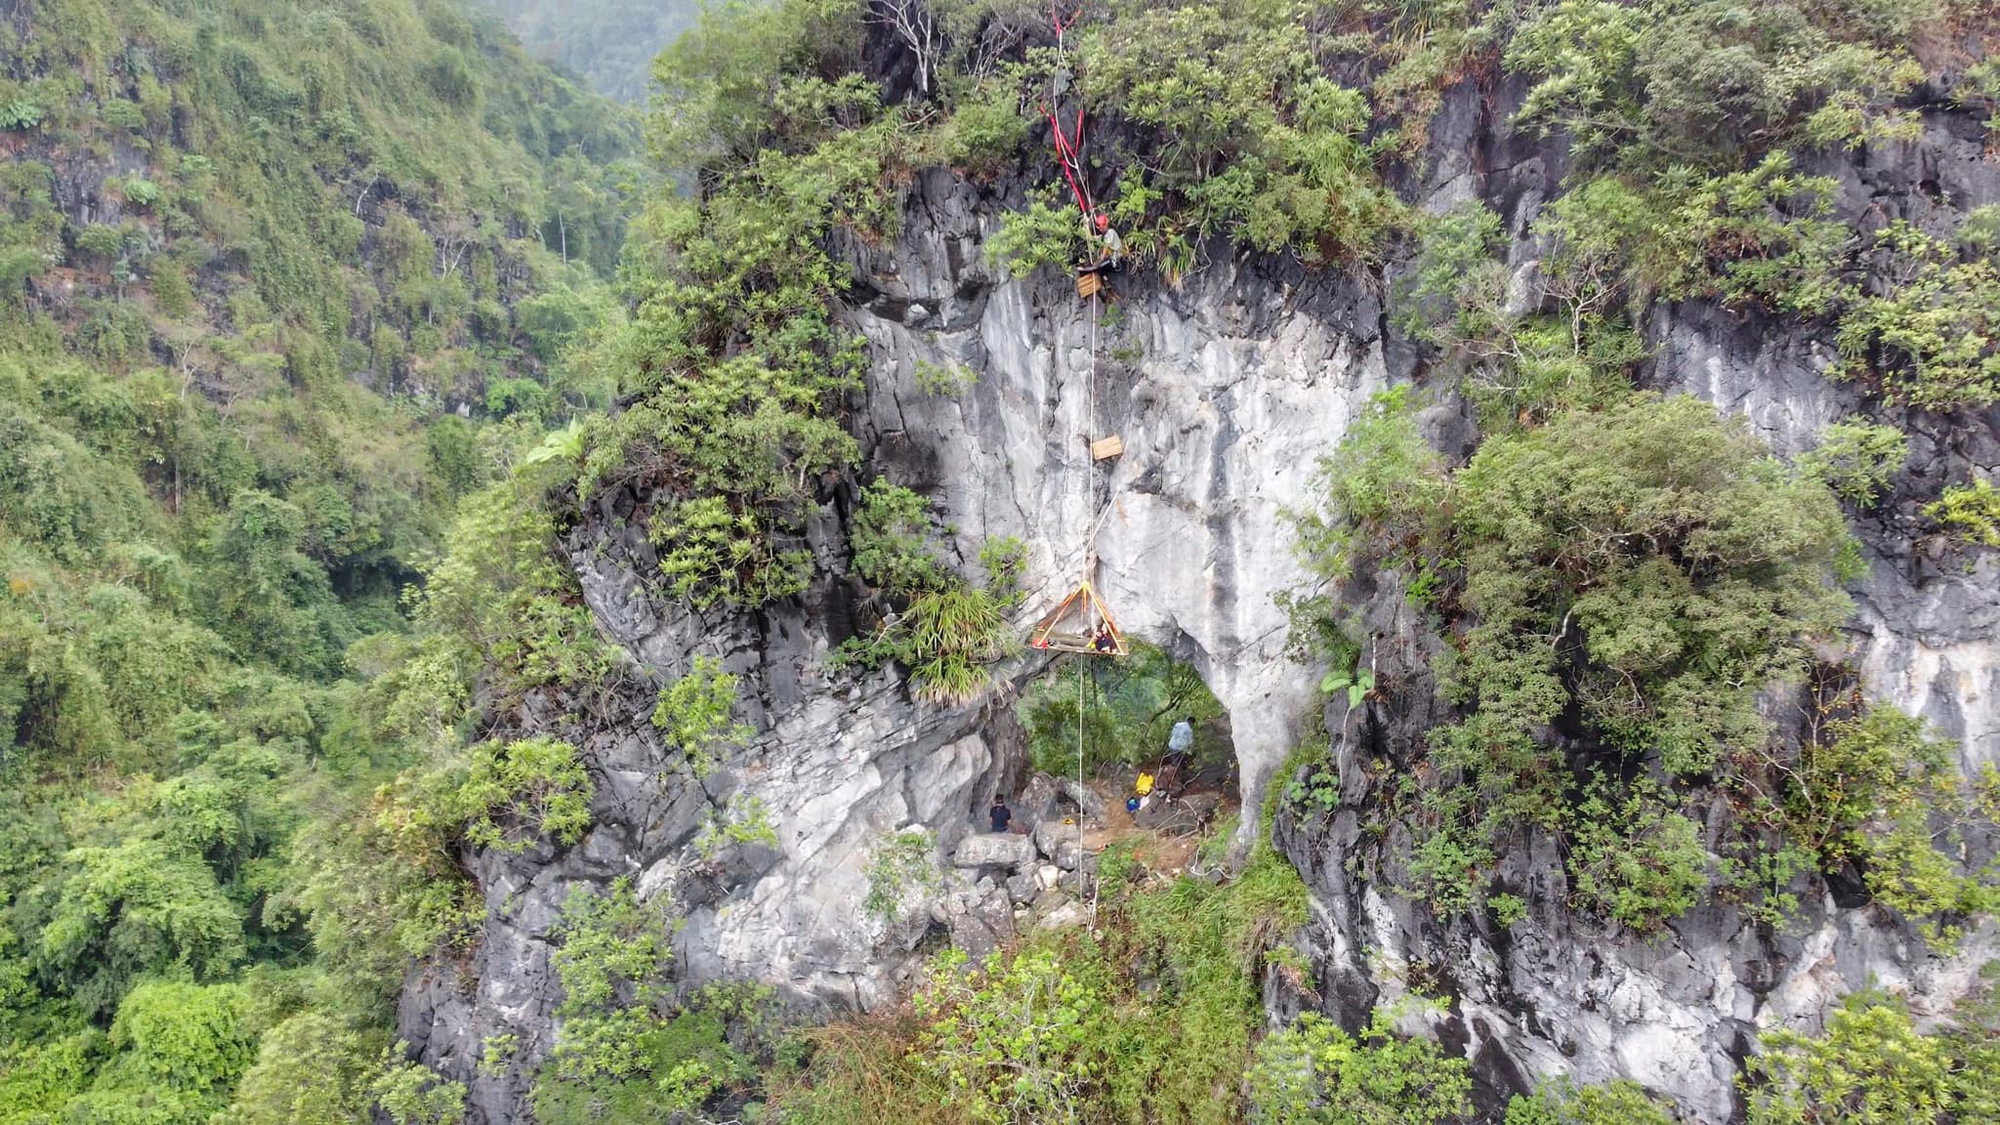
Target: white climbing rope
(1089,575)
(1079,779)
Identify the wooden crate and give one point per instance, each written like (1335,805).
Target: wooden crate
(1088,285)
(1107,447)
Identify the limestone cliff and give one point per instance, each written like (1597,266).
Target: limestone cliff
(1556,994)
(1225,390)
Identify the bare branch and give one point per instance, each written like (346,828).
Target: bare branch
(912,22)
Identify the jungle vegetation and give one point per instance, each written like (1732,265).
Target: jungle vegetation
(283,286)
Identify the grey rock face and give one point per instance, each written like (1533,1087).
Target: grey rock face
(1225,391)
(841,774)
(1559,994)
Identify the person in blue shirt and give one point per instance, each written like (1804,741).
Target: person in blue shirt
(1000,814)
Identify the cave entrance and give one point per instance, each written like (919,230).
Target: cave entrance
(1137,786)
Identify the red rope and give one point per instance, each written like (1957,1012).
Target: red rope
(1066,155)
(1068,148)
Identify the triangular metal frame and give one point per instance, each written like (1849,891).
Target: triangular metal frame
(1048,637)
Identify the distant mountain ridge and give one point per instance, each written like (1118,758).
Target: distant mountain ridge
(611,43)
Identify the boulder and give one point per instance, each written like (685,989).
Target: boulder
(1058,843)
(1037,801)
(981,920)
(1066,916)
(1022,888)
(1066,854)
(1052,835)
(1085,797)
(994,849)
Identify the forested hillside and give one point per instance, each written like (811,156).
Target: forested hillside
(281,283)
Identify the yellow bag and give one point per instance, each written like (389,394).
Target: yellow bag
(1145,785)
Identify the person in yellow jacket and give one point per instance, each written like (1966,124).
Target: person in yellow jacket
(1145,784)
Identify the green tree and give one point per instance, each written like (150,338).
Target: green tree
(269,590)
(891,538)
(1714,82)
(1313,1073)
(1682,558)
(1932,340)
(1968,513)
(489,794)
(1562,1102)
(311,1069)
(411,1093)
(181,1048)
(1023,1040)
(1634,859)
(693,714)
(1857,459)
(1645,568)
(1871,1066)
(132,910)
(620,1057)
